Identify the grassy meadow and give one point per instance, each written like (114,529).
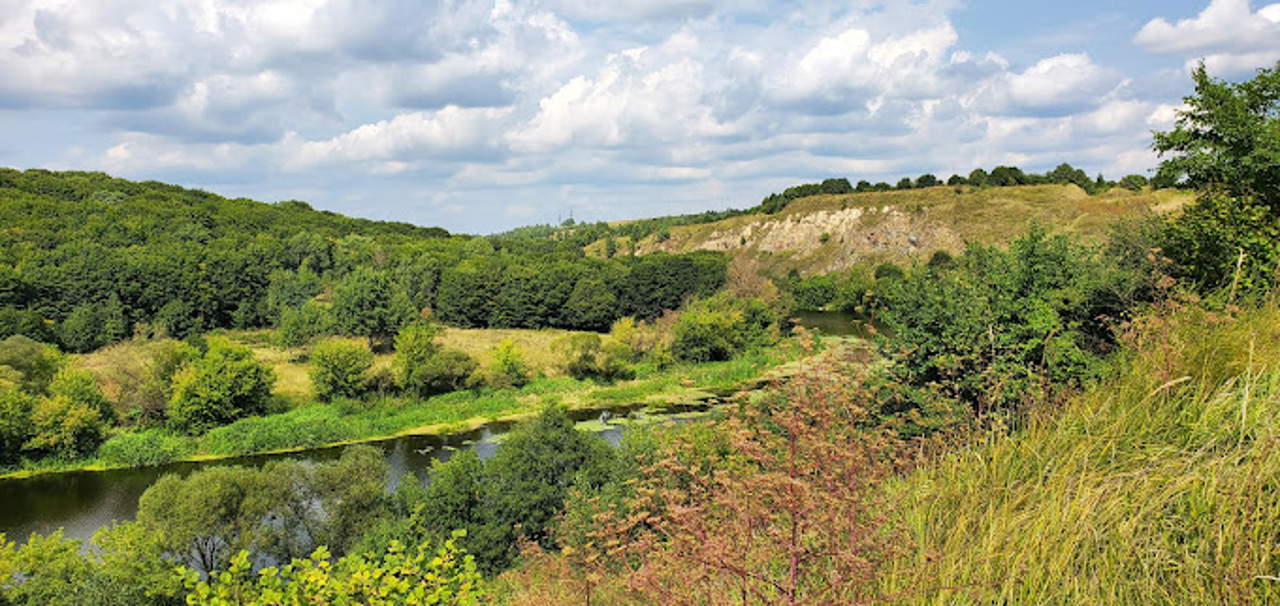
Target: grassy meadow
(1155,486)
(302,422)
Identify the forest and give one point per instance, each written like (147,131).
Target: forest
(1051,421)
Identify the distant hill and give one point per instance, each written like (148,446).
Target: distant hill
(822,233)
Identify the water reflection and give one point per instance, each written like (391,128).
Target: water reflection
(82,502)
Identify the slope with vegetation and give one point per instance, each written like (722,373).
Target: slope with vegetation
(1063,421)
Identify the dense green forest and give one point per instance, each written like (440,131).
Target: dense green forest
(1051,421)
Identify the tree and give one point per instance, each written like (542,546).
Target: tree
(338,368)
(527,480)
(223,385)
(423,368)
(978,177)
(592,305)
(367,303)
(15,422)
(1226,145)
(65,428)
(1227,141)
(928,180)
(36,363)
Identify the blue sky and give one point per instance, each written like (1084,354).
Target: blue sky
(481,115)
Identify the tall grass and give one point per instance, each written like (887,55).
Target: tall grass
(1160,485)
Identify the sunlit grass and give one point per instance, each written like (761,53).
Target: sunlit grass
(1161,485)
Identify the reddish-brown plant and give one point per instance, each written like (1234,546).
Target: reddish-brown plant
(786,510)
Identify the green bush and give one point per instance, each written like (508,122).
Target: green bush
(999,328)
(338,369)
(508,368)
(445,371)
(720,327)
(64,428)
(223,385)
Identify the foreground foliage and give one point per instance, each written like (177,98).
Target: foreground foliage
(419,577)
(1158,486)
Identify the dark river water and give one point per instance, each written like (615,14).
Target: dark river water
(82,502)
(835,323)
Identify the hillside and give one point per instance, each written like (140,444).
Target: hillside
(826,233)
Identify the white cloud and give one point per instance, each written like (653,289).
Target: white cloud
(419,135)
(1228,35)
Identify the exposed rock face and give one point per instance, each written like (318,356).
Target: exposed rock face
(833,239)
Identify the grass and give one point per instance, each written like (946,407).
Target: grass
(1161,485)
(938,218)
(309,424)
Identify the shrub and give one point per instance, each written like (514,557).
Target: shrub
(65,428)
(223,385)
(716,329)
(508,368)
(338,369)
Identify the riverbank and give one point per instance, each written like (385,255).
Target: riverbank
(315,425)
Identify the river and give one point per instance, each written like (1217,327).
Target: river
(81,502)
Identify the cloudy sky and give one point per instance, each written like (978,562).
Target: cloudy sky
(481,115)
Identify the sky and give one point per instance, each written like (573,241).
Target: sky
(482,115)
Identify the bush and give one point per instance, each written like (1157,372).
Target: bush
(718,328)
(36,363)
(1002,327)
(508,368)
(445,371)
(223,385)
(338,369)
(148,448)
(65,428)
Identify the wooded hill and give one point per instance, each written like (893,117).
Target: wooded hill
(87,259)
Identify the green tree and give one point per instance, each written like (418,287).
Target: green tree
(15,422)
(36,363)
(223,385)
(65,428)
(527,480)
(206,516)
(592,305)
(1227,141)
(367,303)
(298,326)
(338,368)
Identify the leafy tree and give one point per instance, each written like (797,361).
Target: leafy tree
(928,180)
(79,386)
(1226,145)
(338,368)
(905,183)
(178,319)
(527,480)
(956,180)
(65,428)
(998,328)
(204,517)
(423,368)
(1133,182)
(300,325)
(592,305)
(36,363)
(367,303)
(15,422)
(978,177)
(223,385)
(82,330)
(1226,141)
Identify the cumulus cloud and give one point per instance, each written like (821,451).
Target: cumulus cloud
(1228,35)
(496,106)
